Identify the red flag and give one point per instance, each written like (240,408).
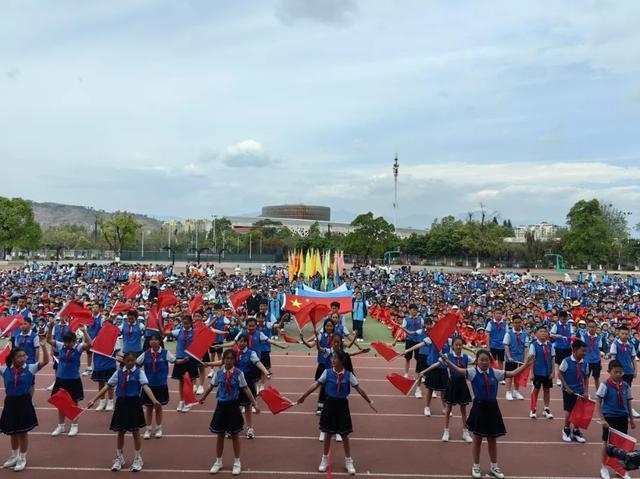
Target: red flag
(582,413)
(132,290)
(239,297)
(303,315)
(443,329)
(10,324)
(120,307)
(294,303)
(274,400)
(201,342)
(166,298)
(621,441)
(78,313)
(105,341)
(4,354)
(289,339)
(384,350)
(187,391)
(319,312)
(77,321)
(196,304)
(168,327)
(63,402)
(401,383)
(522,379)
(153,320)
(493,364)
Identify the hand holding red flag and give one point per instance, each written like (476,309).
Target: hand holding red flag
(289,339)
(105,342)
(274,400)
(201,342)
(384,350)
(4,354)
(9,324)
(187,391)
(166,298)
(196,304)
(64,403)
(443,329)
(132,290)
(153,320)
(239,297)
(402,384)
(119,307)
(582,413)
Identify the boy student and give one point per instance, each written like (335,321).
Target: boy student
(613,406)
(561,333)
(622,350)
(592,340)
(516,341)
(573,375)
(412,325)
(497,328)
(543,351)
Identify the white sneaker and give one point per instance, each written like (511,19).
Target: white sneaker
(558,383)
(566,437)
(426,411)
(21,463)
(348,465)
(503,382)
(180,406)
(406,375)
(324,463)
(434,394)
(253,409)
(58,430)
(321,437)
(215,469)
(237,468)
(73,430)
(547,413)
(101,405)
(418,393)
(445,436)
(118,463)
(466,437)
(86,372)
(50,388)
(251,433)
(11,461)
(604,473)
(508,396)
(187,407)
(476,472)
(210,375)
(200,391)
(147,433)
(259,388)
(338,438)
(496,472)
(109,406)
(242,409)
(635,413)
(158,433)
(137,464)
(518,396)
(577,436)
(533,415)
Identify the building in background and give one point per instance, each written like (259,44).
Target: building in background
(541,232)
(297,212)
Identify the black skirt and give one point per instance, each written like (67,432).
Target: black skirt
(127,415)
(485,419)
(437,379)
(160,392)
(457,392)
(18,415)
(72,386)
(227,418)
(265,359)
(102,376)
(336,418)
(191,367)
(243,399)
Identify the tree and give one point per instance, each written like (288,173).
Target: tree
(446,237)
(119,229)
(18,228)
(371,236)
(65,237)
(588,238)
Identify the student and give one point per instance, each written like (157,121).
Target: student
(129,382)
(198,323)
(497,328)
(93,329)
(336,418)
(183,363)
(26,338)
(132,330)
(573,373)
(457,392)
(18,414)
(103,369)
(613,405)
(155,361)
(68,372)
(592,340)
(359,316)
(622,350)
(516,342)
(322,342)
(220,322)
(485,419)
(227,418)
(561,333)
(412,326)
(60,328)
(542,351)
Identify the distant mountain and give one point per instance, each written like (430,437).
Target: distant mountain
(55,214)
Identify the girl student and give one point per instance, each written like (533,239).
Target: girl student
(323,340)
(198,323)
(103,369)
(18,415)
(457,392)
(68,372)
(516,342)
(227,418)
(132,334)
(336,418)
(183,362)
(485,419)
(129,382)
(155,361)
(248,362)
(60,328)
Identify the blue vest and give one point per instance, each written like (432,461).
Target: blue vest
(593,348)
(414,324)
(183,340)
(331,386)
(611,405)
(131,341)
(540,366)
(565,341)
(517,343)
(575,374)
(243,362)
(479,385)
(94,328)
(26,342)
(25,382)
(265,345)
(325,342)
(274,308)
(218,323)
(103,363)
(255,343)
(461,362)
(157,376)
(68,363)
(59,330)
(625,357)
(132,388)
(496,335)
(358,310)
(232,392)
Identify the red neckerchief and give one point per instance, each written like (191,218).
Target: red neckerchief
(154,358)
(499,324)
(593,342)
(619,388)
(125,375)
(250,341)
(185,333)
(518,333)
(68,355)
(16,374)
(545,351)
(339,377)
(130,329)
(578,371)
(459,360)
(227,380)
(623,347)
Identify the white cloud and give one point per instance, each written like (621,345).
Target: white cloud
(246,153)
(322,11)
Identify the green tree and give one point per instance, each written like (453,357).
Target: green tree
(588,238)
(119,229)
(446,238)
(66,237)
(18,228)
(371,236)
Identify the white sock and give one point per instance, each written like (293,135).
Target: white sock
(119,452)
(494,465)
(236,460)
(218,460)
(15,452)
(139,454)
(476,465)
(22,455)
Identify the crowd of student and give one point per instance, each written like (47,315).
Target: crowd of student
(563,330)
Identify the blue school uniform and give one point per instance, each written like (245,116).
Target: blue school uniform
(19,383)
(497,330)
(18,414)
(624,353)
(615,398)
(183,340)
(129,382)
(543,364)
(59,330)
(131,337)
(156,367)
(265,346)
(565,331)
(593,347)
(227,417)
(94,328)
(220,323)
(574,373)
(229,383)
(518,341)
(29,342)
(461,361)
(68,361)
(338,385)
(128,415)
(414,325)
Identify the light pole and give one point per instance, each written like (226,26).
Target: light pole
(396,166)
(215,240)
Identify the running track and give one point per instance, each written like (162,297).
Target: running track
(396,443)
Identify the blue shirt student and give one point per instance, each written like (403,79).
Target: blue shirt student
(131,336)
(25,379)
(485,385)
(593,347)
(543,353)
(615,398)
(29,342)
(128,382)
(68,360)
(229,383)
(338,385)
(496,330)
(517,341)
(156,365)
(574,373)
(625,353)
(414,326)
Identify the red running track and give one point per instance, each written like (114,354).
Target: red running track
(399,442)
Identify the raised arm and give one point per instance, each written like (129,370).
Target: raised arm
(44,360)
(452,366)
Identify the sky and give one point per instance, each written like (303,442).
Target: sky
(185,108)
